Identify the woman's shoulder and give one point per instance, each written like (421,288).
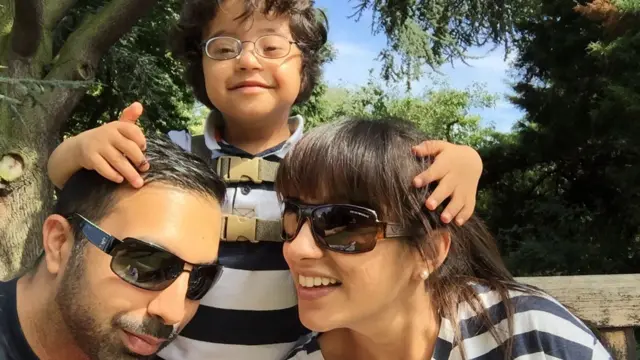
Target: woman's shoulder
(540,324)
(306,348)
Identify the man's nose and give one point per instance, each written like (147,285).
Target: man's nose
(170,304)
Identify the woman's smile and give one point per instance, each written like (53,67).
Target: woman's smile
(311,288)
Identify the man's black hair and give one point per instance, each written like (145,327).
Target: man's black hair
(93,196)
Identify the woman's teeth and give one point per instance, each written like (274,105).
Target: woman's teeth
(308,282)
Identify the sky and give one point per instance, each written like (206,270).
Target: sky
(357,50)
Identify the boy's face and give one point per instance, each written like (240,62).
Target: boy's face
(251,87)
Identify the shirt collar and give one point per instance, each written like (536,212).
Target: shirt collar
(296,127)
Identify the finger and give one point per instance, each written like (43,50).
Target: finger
(430,148)
(453,209)
(440,193)
(132,151)
(133,133)
(466,212)
(102,167)
(433,173)
(132,113)
(122,165)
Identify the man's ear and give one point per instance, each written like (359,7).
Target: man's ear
(57,241)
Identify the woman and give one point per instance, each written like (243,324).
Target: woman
(380,277)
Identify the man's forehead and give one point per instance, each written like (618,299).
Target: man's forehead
(180,221)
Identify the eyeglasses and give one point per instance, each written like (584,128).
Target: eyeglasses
(146,265)
(267,46)
(342,228)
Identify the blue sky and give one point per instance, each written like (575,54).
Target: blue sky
(357,49)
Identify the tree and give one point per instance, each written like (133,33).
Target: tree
(440,111)
(563,195)
(38,96)
(137,67)
(432,32)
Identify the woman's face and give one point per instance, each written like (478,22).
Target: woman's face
(337,290)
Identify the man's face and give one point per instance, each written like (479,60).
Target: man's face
(111,319)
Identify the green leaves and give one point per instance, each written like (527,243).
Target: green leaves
(138,68)
(441,111)
(563,197)
(432,32)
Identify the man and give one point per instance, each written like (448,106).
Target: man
(122,270)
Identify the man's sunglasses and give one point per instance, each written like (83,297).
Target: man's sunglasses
(342,228)
(148,266)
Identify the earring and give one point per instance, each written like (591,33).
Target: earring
(424,274)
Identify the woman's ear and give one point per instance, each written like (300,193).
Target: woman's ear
(442,242)
(435,252)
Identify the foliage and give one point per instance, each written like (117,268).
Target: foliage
(432,32)
(563,196)
(138,67)
(441,112)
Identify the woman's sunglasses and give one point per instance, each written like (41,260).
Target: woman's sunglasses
(148,266)
(342,228)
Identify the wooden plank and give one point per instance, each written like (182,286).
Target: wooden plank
(621,342)
(607,301)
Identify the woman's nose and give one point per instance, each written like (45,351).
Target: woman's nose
(303,246)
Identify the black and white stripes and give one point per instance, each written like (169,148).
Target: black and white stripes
(543,329)
(251,313)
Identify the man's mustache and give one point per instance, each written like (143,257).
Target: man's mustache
(150,326)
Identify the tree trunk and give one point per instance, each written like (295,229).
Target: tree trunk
(30,120)
(24,202)
(24,190)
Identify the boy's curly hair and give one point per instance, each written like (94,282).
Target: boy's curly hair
(308,27)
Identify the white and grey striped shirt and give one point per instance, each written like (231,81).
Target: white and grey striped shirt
(251,313)
(543,330)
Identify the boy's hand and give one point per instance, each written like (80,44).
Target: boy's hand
(458,169)
(111,148)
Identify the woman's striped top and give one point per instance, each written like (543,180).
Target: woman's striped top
(543,329)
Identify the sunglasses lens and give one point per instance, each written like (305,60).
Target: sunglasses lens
(201,280)
(145,266)
(346,229)
(290,221)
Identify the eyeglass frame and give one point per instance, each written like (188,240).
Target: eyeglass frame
(385,230)
(107,243)
(205,44)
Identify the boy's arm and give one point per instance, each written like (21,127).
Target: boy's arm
(457,169)
(109,149)
(62,164)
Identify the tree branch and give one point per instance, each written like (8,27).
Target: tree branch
(27,27)
(55,11)
(81,53)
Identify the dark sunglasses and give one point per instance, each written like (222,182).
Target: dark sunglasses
(148,266)
(343,228)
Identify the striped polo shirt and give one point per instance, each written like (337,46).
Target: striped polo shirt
(251,313)
(543,330)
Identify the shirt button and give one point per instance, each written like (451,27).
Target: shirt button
(245,190)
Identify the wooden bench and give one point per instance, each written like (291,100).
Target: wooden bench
(609,302)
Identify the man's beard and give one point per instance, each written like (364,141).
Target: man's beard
(100,341)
